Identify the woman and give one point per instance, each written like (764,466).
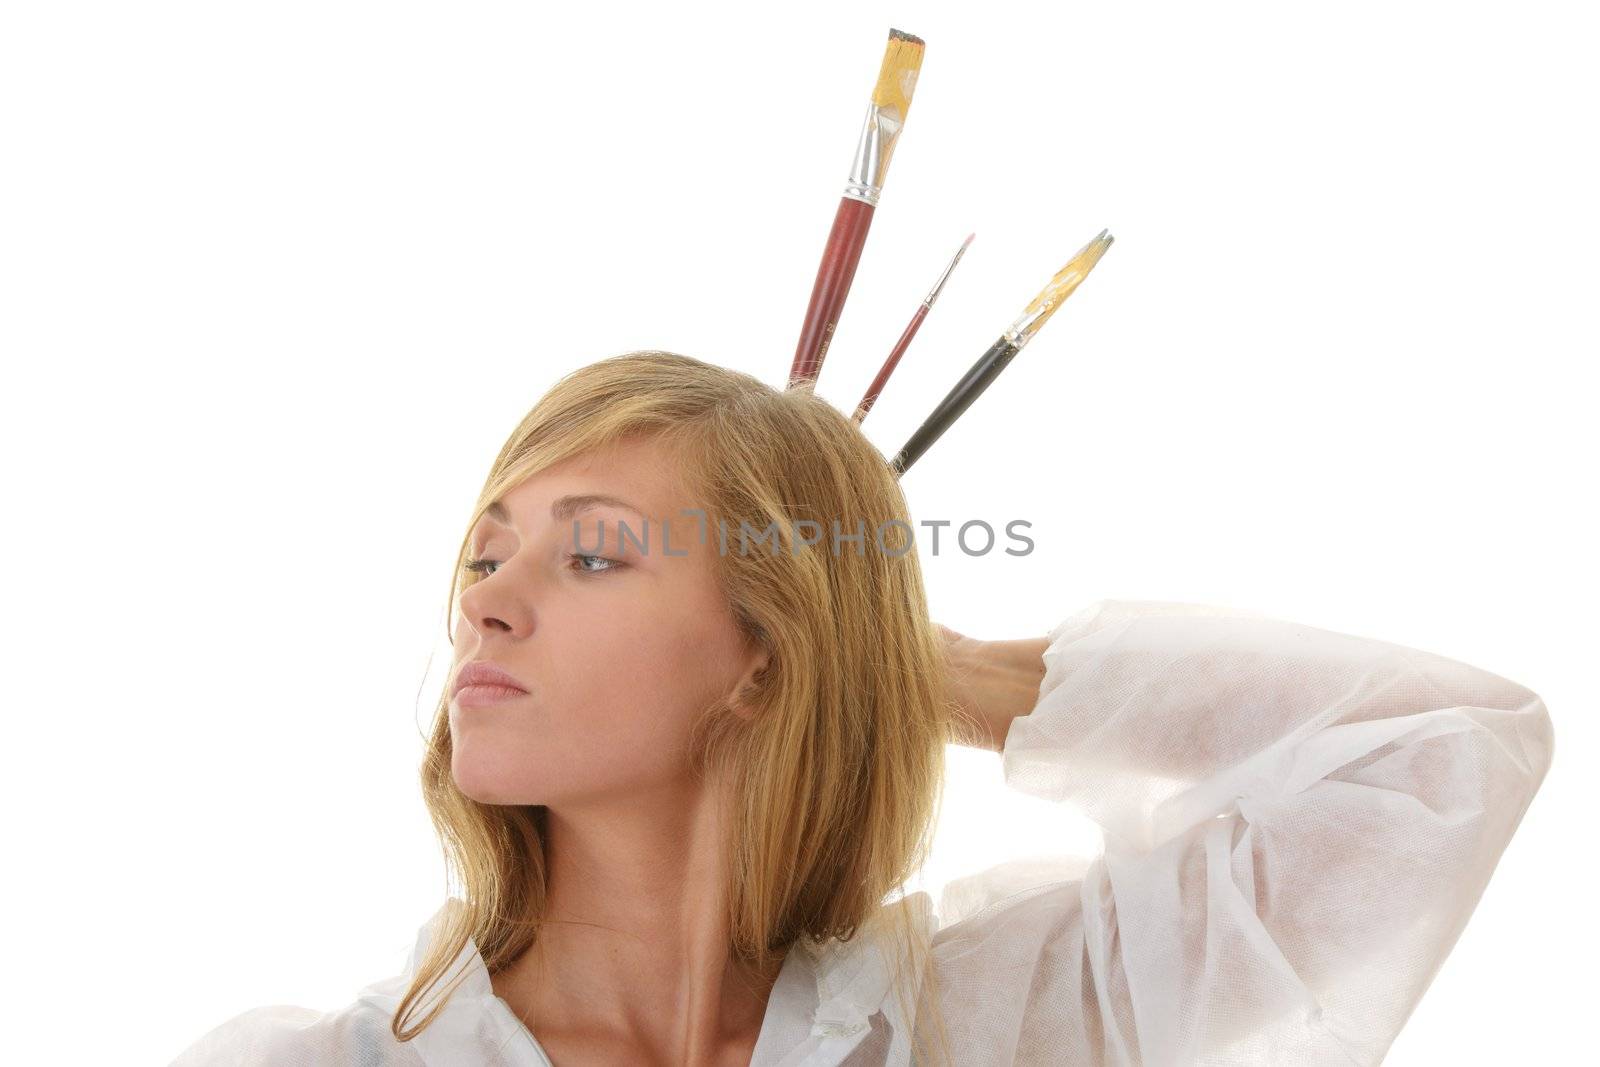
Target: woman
(691,752)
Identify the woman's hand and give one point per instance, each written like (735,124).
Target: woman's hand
(994,682)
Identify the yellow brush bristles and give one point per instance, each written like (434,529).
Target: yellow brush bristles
(897,80)
(1061,286)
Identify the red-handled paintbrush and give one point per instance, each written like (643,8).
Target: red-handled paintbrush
(891,99)
(870,397)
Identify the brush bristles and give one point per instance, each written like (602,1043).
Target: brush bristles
(891,97)
(897,78)
(1066,280)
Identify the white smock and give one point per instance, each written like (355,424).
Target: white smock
(1297,826)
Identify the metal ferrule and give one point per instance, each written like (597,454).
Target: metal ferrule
(1021,331)
(866,174)
(933,294)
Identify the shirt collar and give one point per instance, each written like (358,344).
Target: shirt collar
(853,982)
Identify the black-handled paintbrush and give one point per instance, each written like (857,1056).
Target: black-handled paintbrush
(992,362)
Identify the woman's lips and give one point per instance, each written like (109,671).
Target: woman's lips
(473,696)
(480,682)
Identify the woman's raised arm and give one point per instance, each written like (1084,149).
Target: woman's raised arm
(1298,825)
(994,682)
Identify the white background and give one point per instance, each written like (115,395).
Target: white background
(278,279)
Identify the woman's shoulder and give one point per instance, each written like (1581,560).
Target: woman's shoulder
(292,1035)
(289,1035)
(466,1023)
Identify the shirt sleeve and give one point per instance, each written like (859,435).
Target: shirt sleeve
(1298,824)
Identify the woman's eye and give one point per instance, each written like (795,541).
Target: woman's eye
(582,563)
(580,560)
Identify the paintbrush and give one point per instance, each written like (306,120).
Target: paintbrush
(871,396)
(891,99)
(992,362)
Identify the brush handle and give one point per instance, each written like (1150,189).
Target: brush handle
(968,389)
(870,397)
(839,258)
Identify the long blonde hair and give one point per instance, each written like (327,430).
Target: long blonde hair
(837,775)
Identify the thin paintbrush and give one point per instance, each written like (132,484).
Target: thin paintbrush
(992,362)
(871,395)
(891,99)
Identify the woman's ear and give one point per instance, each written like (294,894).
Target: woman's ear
(754,674)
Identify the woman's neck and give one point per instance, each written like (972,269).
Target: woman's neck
(634,953)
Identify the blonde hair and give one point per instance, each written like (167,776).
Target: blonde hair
(837,775)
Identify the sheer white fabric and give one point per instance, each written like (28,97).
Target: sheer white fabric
(1298,824)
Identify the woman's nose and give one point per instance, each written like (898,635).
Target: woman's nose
(495,604)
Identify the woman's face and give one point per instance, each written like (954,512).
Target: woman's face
(619,649)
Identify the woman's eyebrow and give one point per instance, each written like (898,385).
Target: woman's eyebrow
(567,507)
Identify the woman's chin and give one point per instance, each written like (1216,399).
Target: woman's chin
(490,781)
